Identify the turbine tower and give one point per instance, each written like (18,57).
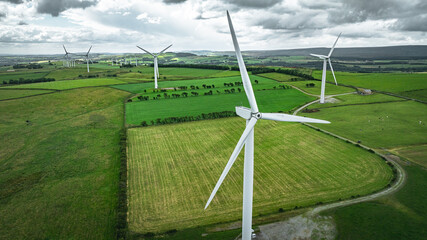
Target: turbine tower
(156,67)
(251,115)
(326,58)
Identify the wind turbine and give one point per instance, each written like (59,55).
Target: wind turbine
(156,67)
(67,63)
(326,58)
(251,115)
(87,58)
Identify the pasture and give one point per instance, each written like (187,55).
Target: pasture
(5,77)
(356,99)
(378,125)
(59,160)
(11,94)
(168,189)
(389,82)
(69,84)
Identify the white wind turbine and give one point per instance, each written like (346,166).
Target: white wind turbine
(326,58)
(67,61)
(251,115)
(87,58)
(156,67)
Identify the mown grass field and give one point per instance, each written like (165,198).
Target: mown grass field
(169,189)
(330,89)
(389,82)
(277,76)
(378,125)
(69,84)
(268,101)
(59,163)
(11,94)
(415,153)
(416,94)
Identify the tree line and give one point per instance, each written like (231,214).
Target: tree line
(29,80)
(203,116)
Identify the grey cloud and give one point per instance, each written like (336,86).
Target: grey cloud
(54,7)
(22,23)
(2,15)
(292,22)
(416,23)
(319,4)
(13,1)
(253,3)
(173,1)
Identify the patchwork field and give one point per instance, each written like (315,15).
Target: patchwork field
(356,99)
(59,163)
(168,190)
(69,84)
(389,82)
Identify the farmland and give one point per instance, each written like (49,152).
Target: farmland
(389,82)
(60,157)
(11,94)
(59,164)
(69,84)
(162,189)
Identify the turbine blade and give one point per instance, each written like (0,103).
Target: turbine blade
(289,118)
(333,47)
(145,50)
(332,70)
(64,49)
(317,55)
(164,49)
(233,157)
(243,72)
(89,50)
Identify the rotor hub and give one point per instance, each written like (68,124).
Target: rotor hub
(257,115)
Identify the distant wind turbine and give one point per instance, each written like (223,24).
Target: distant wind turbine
(156,67)
(326,58)
(67,61)
(87,58)
(251,115)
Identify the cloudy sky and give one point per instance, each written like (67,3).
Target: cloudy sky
(42,26)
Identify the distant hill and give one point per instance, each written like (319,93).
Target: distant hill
(392,52)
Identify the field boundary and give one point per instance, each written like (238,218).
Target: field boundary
(51,91)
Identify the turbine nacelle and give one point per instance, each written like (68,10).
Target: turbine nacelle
(319,56)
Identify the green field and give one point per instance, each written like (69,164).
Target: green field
(403,215)
(416,94)
(169,189)
(59,163)
(24,75)
(268,101)
(11,94)
(355,99)
(416,153)
(263,83)
(73,73)
(389,82)
(378,125)
(330,89)
(277,76)
(69,84)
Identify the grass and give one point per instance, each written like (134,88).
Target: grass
(59,160)
(389,82)
(263,83)
(168,190)
(416,94)
(25,75)
(277,76)
(268,101)
(330,89)
(11,94)
(400,216)
(355,99)
(73,73)
(378,125)
(416,153)
(70,84)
